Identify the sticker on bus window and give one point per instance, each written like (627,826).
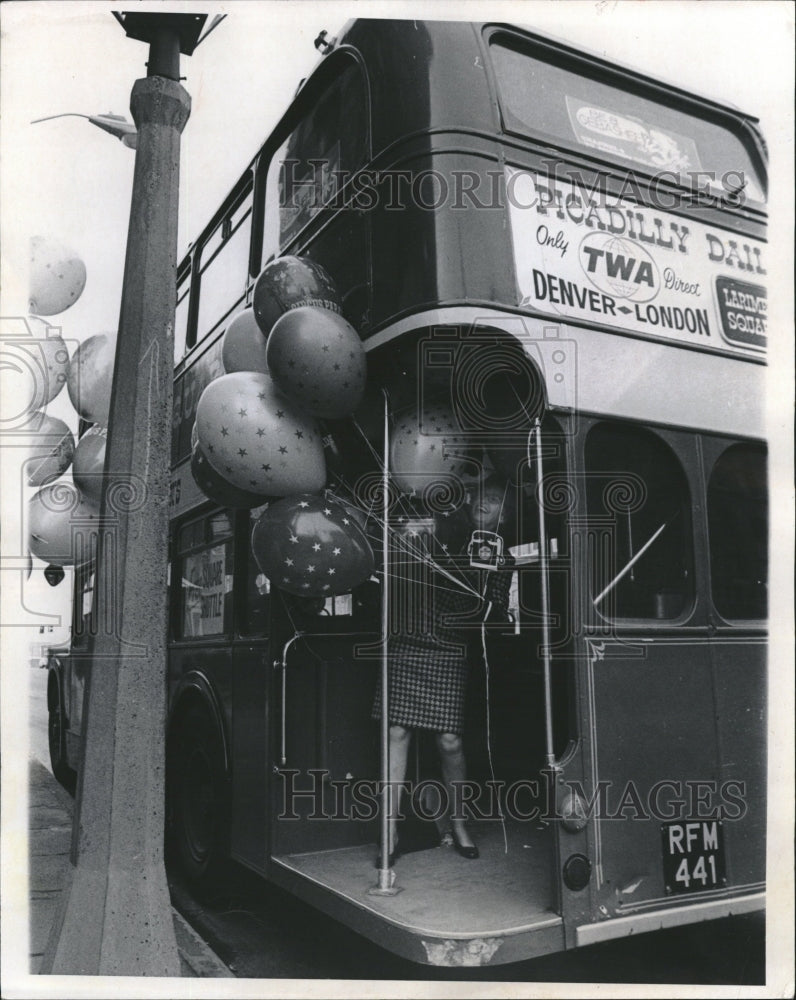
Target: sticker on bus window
(204,586)
(631,139)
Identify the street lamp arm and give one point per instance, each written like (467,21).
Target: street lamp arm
(66,114)
(114,124)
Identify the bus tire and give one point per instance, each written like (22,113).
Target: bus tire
(56,738)
(198,799)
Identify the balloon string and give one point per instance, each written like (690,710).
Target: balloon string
(406,510)
(428,559)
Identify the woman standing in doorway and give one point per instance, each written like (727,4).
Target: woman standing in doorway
(428,656)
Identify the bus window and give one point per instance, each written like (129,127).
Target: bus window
(206,572)
(738,532)
(540,95)
(181,321)
(320,154)
(224,268)
(82,615)
(640,525)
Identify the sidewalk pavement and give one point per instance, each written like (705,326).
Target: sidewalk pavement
(50,821)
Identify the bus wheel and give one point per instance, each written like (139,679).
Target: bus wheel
(56,737)
(198,799)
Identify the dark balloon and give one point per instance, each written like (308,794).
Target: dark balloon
(311,546)
(243,346)
(218,489)
(287,283)
(54,574)
(352,462)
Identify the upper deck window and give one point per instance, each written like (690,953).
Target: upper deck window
(570,104)
(326,147)
(181,318)
(224,268)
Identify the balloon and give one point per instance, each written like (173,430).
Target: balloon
(257,440)
(243,347)
(427,451)
(89,462)
(317,359)
(53,575)
(62,525)
(49,360)
(311,546)
(216,488)
(90,377)
(57,277)
(50,445)
(287,283)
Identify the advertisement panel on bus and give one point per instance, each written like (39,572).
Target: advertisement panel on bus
(586,255)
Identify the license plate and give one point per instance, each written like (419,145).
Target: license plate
(693,856)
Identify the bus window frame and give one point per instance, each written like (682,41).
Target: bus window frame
(693,611)
(306,98)
(711,457)
(243,191)
(178,554)
(587,65)
(185,275)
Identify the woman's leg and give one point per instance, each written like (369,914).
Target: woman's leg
(454,771)
(399,751)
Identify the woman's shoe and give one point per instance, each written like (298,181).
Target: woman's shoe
(469,851)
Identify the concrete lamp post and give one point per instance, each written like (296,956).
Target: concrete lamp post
(115,914)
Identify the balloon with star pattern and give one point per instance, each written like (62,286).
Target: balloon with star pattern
(311,546)
(427,449)
(287,283)
(216,488)
(257,440)
(317,359)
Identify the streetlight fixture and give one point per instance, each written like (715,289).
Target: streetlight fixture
(115,912)
(115,124)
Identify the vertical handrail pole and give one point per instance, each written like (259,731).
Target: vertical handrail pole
(544,568)
(384,857)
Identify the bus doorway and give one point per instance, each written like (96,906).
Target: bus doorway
(326,800)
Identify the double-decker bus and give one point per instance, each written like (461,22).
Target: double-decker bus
(498,212)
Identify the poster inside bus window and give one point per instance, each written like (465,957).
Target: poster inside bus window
(631,138)
(205,584)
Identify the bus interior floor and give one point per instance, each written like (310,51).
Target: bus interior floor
(508,887)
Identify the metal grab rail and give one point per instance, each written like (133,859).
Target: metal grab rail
(544,564)
(281,664)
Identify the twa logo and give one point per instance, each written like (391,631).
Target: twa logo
(619,267)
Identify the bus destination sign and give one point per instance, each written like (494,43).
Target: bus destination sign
(583,256)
